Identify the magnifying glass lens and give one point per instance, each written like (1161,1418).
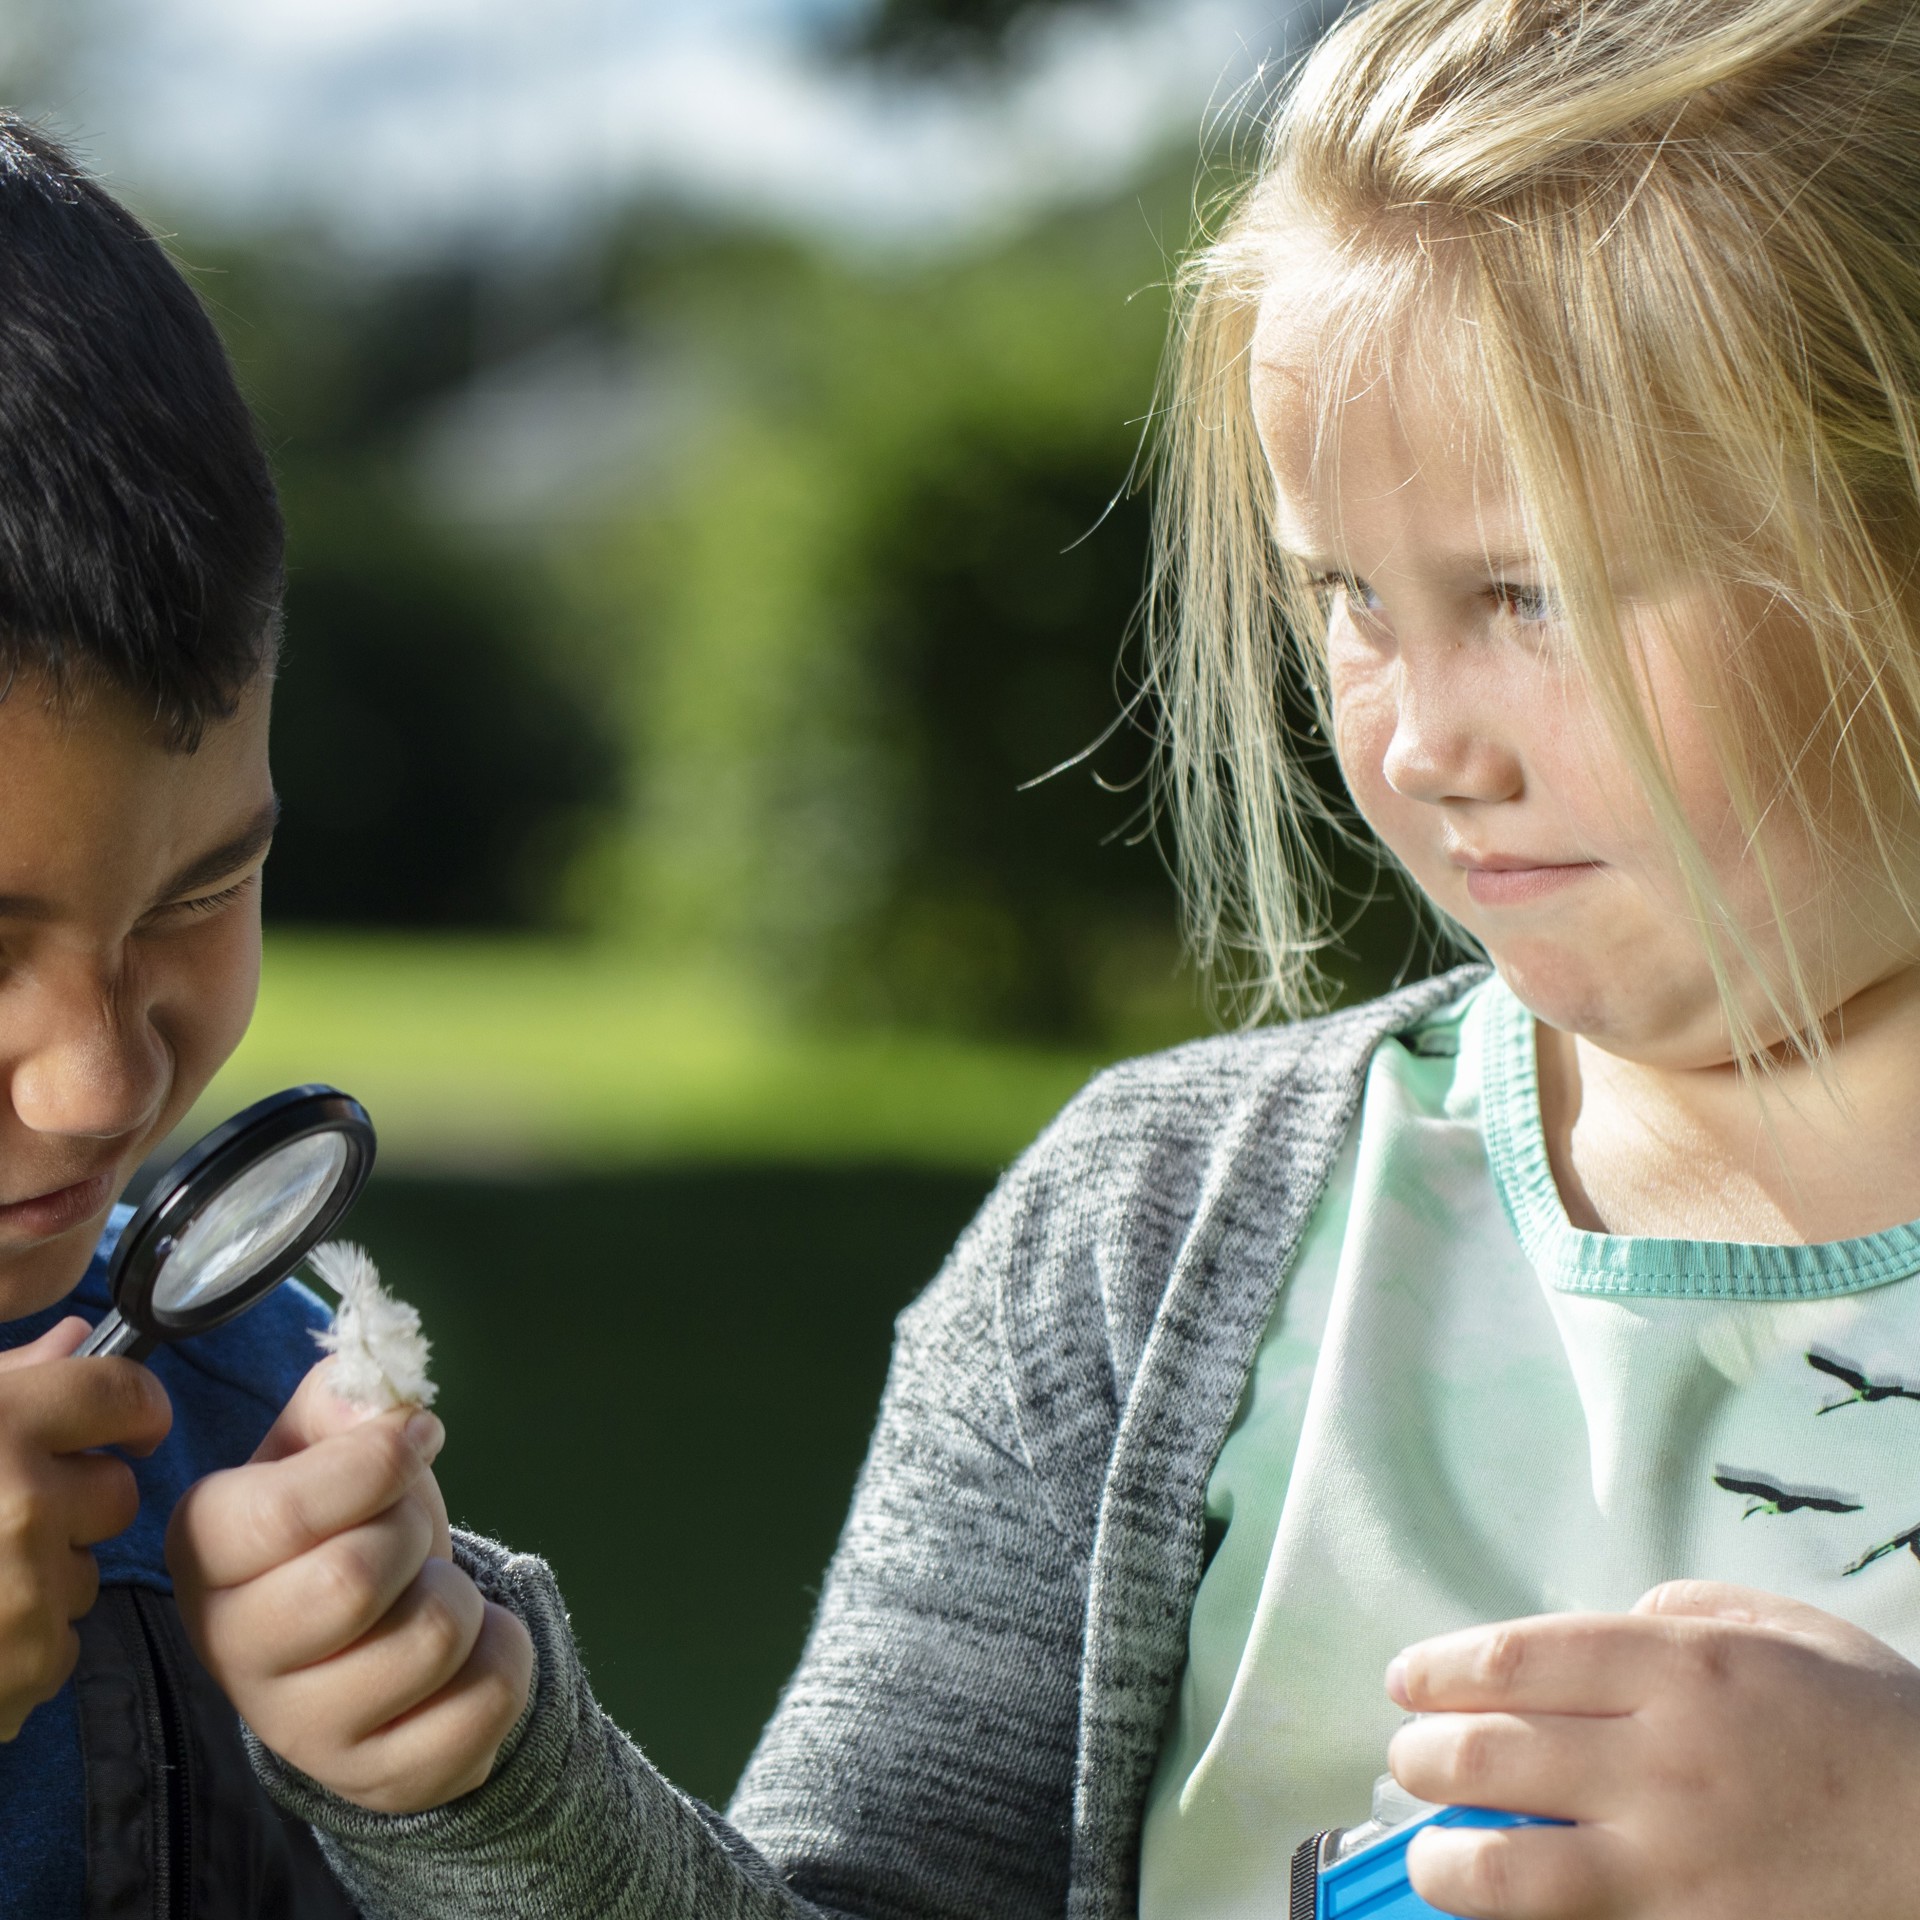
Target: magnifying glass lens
(244,1228)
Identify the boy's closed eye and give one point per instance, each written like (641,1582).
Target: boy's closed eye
(199,906)
(219,879)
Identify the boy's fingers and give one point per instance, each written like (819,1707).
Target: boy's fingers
(1518,1873)
(1596,1663)
(100,1494)
(55,1344)
(234,1526)
(73,1406)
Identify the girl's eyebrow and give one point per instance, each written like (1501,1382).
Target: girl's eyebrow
(1475,560)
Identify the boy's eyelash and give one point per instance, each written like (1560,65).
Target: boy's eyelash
(213,902)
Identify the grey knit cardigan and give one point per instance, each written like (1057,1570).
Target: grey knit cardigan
(980,1703)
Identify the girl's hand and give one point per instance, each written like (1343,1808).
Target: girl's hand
(59,1496)
(1728,1755)
(317,1584)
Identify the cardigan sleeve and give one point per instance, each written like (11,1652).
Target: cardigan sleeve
(920,1764)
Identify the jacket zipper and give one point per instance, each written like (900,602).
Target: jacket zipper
(166,1742)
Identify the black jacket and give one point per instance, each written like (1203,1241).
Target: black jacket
(178,1827)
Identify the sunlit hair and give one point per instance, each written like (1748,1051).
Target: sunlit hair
(1670,250)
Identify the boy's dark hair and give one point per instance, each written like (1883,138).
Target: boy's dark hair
(140,540)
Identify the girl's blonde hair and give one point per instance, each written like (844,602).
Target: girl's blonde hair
(1675,246)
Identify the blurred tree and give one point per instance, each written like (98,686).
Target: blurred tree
(439,766)
(885,587)
(884,594)
(441,754)
(780,694)
(38,43)
(941,33)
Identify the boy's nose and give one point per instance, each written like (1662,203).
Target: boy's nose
(96,1070)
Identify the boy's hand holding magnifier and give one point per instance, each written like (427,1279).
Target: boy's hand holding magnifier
(60,1496)
(1726,1755)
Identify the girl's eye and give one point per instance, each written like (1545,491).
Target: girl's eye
(1529,605)
(1343,587)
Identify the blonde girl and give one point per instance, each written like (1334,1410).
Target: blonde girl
(1537,1351)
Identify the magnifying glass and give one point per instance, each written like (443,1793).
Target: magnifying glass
(233,1216)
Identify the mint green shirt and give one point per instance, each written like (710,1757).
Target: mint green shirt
(1466,1409)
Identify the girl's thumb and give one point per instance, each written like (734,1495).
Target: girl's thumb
(1716,1600)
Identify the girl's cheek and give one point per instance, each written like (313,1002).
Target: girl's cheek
(1364,719)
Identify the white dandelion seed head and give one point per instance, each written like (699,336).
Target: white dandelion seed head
(380,1354)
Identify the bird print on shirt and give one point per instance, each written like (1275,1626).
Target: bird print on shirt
(1862,1391)
(1766,1496)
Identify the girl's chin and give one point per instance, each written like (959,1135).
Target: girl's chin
(1622,1011)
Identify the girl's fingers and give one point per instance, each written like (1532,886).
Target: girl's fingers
(418,1649)
(1517,1873)
(314,1413)
(423,1642)
(445,1745)
(1738,1606)
(232,1527)
(427,1491)
(1558,1766)
(308,1609)
(1596,1663)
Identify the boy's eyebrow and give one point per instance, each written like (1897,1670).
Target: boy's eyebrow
(217,862)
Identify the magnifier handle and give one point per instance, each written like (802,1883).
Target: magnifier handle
(114,1335)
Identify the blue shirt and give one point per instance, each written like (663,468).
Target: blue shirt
(227,1387)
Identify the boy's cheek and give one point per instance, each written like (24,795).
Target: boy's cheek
(204,1007)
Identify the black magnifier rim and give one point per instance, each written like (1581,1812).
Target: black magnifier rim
(202,1171)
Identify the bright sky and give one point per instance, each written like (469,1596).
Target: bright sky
(397,118)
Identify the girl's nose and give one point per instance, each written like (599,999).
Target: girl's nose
(1446,742)
(92,1066)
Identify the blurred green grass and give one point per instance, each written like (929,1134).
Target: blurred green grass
(477,1054)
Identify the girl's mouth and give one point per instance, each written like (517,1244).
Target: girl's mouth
(1504,886)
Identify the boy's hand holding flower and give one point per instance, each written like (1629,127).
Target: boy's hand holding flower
(318,1585)
(1726,1755)
(58,1497)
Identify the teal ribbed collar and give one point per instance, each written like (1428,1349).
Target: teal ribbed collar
(1575,1261)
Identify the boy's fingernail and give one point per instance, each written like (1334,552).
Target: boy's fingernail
(1397,1681)
(426,1435)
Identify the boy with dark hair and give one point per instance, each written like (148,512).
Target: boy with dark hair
(140,581)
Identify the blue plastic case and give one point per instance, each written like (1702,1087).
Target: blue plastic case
(1372,1884)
